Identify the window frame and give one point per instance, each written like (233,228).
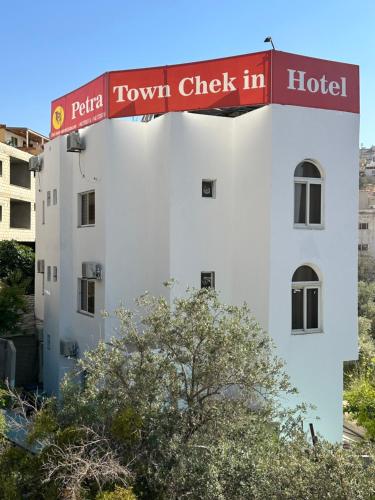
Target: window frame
(79,297)
(308,181)
(213,279)
(213,188)
(363,247)
(304,286)
(80,199)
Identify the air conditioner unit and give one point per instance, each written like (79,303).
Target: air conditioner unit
(35,164)
(74,143)
(68,348)
(40,266)
(92,270)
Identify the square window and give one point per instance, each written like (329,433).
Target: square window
(48,273)
(1,168)
(48,198)
(208,279)
(1,213)
(55,196)
(363,225)
(208,188)
(86,207)
(54,273)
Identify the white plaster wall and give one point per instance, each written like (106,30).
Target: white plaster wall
(251,218)
(136,212)
(47,294)
(315,360)
(200,147)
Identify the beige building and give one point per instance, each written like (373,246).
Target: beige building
(17,183)
(366,226)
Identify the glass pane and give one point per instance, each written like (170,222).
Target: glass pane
(91,297)
(91,208)
(84,215)
(305,273)
(297,309)
(315,203)
(83,285)
(307,169)
(312,307)
(299,203)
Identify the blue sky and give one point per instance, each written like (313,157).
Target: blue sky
(50,48)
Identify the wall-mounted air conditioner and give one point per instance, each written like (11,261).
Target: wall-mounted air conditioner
(35,164)
(68,348)
(74,143)
(92,270)
(40,266)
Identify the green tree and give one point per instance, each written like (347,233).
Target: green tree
(17,257)
(366,268)
(12,305)
(185,403)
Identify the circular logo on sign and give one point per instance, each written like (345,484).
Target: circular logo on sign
(58,117)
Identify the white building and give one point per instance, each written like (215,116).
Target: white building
(132,202)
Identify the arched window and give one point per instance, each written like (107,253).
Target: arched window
(307,195)
(306,288)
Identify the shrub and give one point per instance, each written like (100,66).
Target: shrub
(360,399)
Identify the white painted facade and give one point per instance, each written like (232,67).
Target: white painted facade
(152,224)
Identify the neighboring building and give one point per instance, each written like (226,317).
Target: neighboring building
(17,183)
(23,139)
(366,225)
(250,204)
(367,161)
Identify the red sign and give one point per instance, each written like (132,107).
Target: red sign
(80,108)
(314,83)
(220,83)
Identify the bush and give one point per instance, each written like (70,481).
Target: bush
(360,399)
(118,494)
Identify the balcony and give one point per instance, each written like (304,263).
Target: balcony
(20,214)
(19,173)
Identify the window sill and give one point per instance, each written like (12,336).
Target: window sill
(85,313)
(307,332)
(86,225)
(18,186)
(308,226)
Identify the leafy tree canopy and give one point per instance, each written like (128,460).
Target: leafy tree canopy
(184,402)
(15,257)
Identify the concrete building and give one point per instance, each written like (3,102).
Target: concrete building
(250,204)
(366,225)
(17,183)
